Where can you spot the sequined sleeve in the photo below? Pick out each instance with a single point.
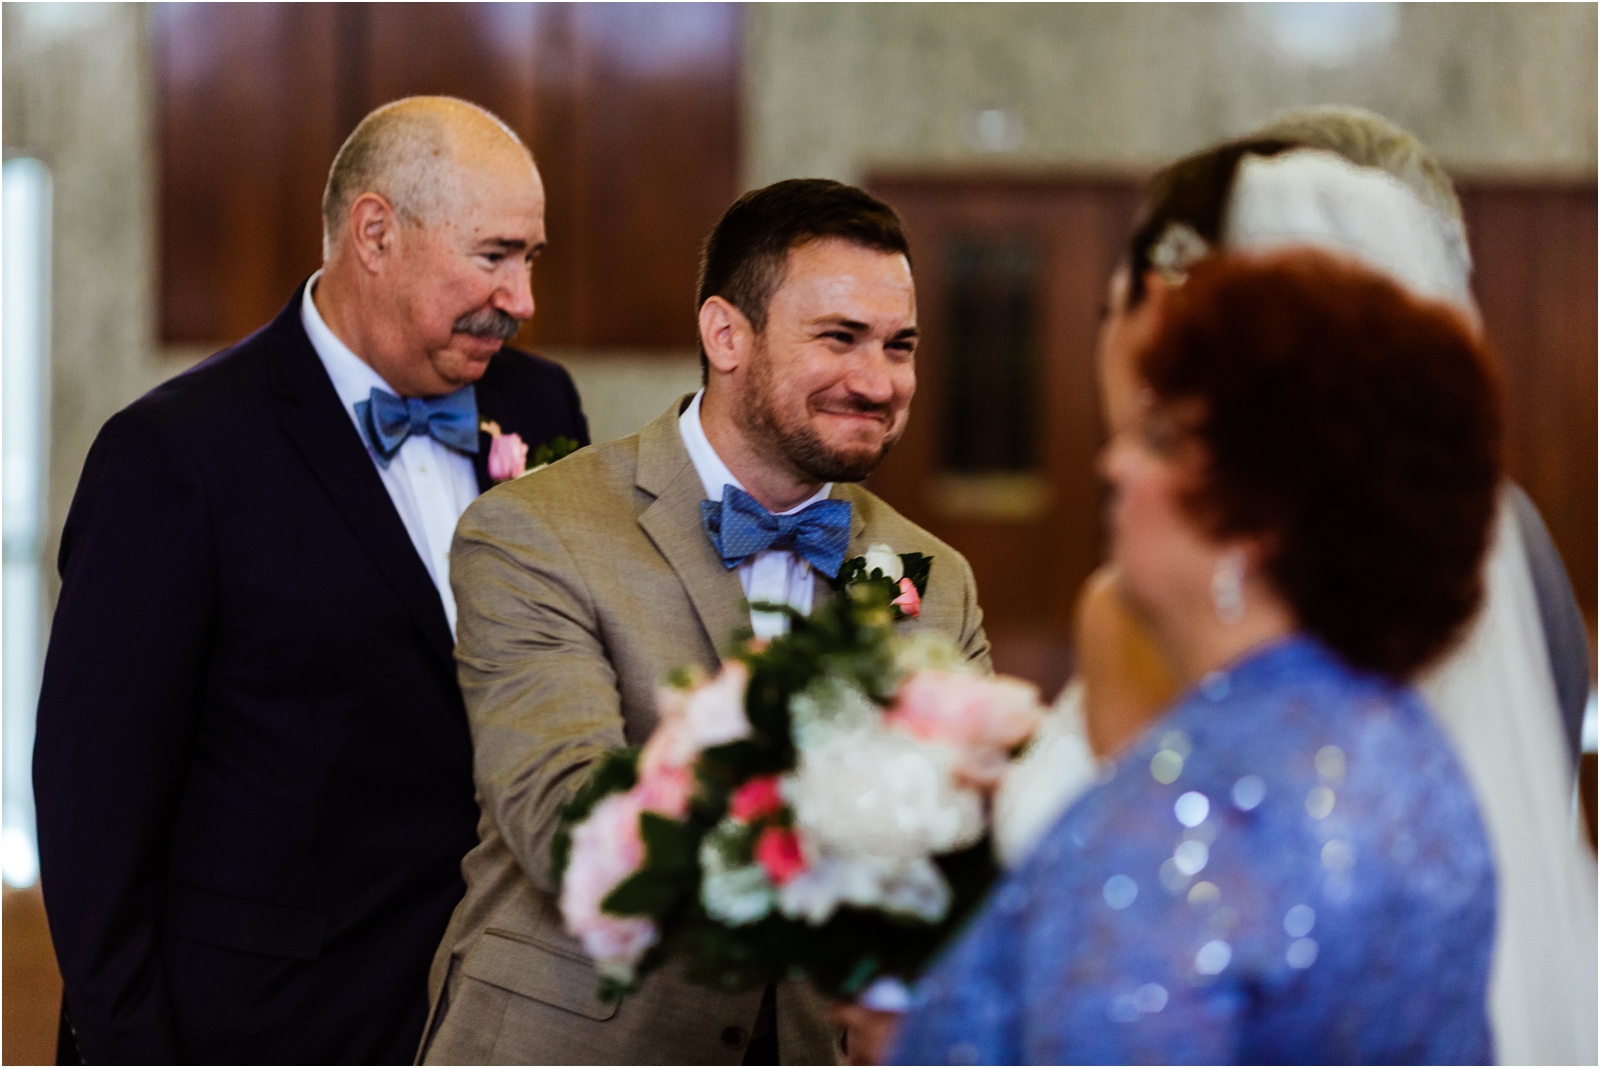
(1288, 868)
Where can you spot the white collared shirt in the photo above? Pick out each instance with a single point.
(777, 576)
(431, 484)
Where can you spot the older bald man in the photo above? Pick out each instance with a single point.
(253, 768)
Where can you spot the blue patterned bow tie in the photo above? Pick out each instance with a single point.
(388, 420)
(739, 527)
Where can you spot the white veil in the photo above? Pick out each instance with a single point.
(1495, 695)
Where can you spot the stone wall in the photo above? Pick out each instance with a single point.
(835, 90)
(77, 96)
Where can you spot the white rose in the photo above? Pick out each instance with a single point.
(714, 711)
(882, 558)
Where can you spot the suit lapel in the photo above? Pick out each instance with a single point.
(480, 461)
(327, 441)
(672, 522)
(823, 591)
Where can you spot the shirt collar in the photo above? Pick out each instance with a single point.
(714, 474)
(353, 378)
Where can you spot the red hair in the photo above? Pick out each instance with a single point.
(1355, 426)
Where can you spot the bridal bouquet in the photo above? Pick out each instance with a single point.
(816, 808)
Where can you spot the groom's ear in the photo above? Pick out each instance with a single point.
(725, 334)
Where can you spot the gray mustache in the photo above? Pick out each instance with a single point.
(489, 322)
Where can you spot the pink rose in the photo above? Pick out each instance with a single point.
(714, 711)
(755, 799)
(508, 457)
(984, 718)
(606, 849)
(670, 745)
(666, 791)
(909, 601)
(778, 853)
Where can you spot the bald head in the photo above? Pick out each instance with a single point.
(419, 154)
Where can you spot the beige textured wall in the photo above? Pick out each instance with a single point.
(77, 95)
(835, 89)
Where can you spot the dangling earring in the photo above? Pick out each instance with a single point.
(1227, 587)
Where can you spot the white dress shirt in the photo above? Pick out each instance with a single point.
(777, 576)
(431, 484)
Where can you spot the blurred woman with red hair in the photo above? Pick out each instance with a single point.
(1289, 865)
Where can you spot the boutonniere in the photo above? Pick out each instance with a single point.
(508, 453)
(904, 575)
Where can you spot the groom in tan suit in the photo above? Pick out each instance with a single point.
(580, 586)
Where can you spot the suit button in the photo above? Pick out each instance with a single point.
(733, 1036)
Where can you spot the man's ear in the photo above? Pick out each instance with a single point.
(372, 230)
(726, 335)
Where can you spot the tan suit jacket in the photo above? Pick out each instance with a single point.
(578, 588)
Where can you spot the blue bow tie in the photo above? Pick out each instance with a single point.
(739, 527)
(388, 420)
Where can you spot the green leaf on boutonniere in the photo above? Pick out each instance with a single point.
(917, 567)
(552, 450)
(914, 566)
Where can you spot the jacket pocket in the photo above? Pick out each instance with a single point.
(250, 926)
(533, 968)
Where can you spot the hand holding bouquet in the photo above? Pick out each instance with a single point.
(817, 808)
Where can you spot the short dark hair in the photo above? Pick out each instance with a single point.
(1355, 425)
(744, 257)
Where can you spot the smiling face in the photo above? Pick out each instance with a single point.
(830, 381)
(461, 282)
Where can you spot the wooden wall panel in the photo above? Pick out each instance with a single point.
(631, 111)
(246, 132)
(1535, 249)
(1535, 252)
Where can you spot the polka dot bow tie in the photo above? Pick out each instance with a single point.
(740, 527)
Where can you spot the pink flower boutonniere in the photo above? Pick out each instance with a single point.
(508, 453)
(902, 576)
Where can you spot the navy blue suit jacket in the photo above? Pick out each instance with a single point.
(252, 767)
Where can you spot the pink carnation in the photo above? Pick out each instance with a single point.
(508, 457)
(985, 718)
(778, 853)
(755, 799)
(606, 849)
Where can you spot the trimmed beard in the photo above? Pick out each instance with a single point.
(800, 445)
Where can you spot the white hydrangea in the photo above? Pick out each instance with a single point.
(870, 791)
(829, 703)
(914, 888)
(928, 650)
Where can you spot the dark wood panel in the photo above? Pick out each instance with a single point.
(1535, 250)
(247, 131)
(631, 111)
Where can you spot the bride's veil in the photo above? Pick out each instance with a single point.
(1495, 694)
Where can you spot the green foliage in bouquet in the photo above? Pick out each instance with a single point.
(848, 639)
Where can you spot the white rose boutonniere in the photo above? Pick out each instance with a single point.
(903, 575)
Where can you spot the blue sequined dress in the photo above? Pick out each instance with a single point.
(1287, 868)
